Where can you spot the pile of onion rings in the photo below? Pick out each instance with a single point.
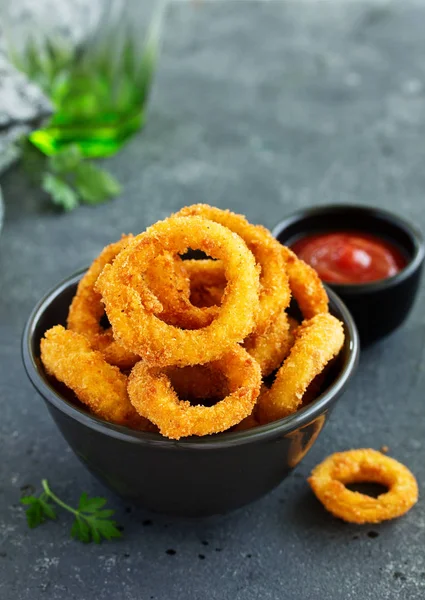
(195, 347)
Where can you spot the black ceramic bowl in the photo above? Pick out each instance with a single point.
(381, 306)
(193, 476)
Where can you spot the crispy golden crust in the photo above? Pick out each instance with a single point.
(184, 318)
(305, 284)
(274, 293)
(205, 272)
(204, 296)
(86, 310)
(167, 278)
(153, 396)
(125, 294)
(329, 478)
(102, 387)
(317, 341)
(207, 282)
(271, 347)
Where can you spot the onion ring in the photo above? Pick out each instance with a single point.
(317, 341)
(275, 292)
(306, 286)
(102, 387)
(168, 280)
(328, 481)
(86, 310)
(272, 347)
(153, 397)
(207, 281)
(126, 295)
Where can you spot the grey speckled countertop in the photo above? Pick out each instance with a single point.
(262, 108)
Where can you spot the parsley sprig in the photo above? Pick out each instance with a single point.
(68, 177)
(92, 522)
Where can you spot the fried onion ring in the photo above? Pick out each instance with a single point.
(207, 281)
(306, 286)
(168, 280)
(272, 347)
(274, 292)
(329, 478)
(102, 387)
(317, 341)
(126, 296)
(153, 396)
(86, 310)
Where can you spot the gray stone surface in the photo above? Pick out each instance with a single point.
(262, 108)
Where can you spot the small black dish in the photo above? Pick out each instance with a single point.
(381, 306)
(196, 476)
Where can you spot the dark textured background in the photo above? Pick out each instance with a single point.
(261, 108)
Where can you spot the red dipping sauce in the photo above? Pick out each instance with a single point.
(350, 256)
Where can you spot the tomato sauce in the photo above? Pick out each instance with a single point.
(350, 257)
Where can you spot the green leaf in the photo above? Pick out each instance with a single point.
(97, 538)
(29, 500)
(66, 160)
(81, 530)
(39, 510)
(95, 185)
(48, 511)
(60, 192)
(90, 505)
(35, 515)
(75, 529)
(91, 523)
(105, 527)
(83, 499)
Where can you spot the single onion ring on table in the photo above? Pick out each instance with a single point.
(306, 286)
(127, 298)
(328, 481)
(274, 292)
(153, 396)
(86, 310)
(102, 387)
(317, 341)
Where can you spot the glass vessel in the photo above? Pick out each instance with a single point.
(93, 59)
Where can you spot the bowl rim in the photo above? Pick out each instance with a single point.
(221, 440)
(402, 224)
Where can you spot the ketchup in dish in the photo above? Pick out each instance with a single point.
(350, 257)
